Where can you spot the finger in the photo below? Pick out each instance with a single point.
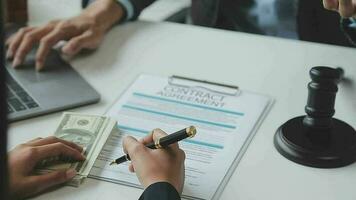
(36, 139)
(346, 8)
(15, 41)
(157, 134)
(46, 43)
(29, 40)
(331, 4)
(51, 140)
(147, 139)
(37, 184)
(9, 40)
(56, 149)
(133, 147)
(131, 168)
(62, 31)
(154, 135)
(75, 45)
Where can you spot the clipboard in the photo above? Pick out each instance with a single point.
(224, 89)
(144, 106)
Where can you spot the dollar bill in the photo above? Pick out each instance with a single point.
(87, 131)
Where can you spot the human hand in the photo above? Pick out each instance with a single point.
(85, 31)
(346, 8)
(24, 158)
(156, 165)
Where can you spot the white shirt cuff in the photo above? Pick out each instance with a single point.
(128, 7)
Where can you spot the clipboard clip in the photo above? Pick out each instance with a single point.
(220, 88)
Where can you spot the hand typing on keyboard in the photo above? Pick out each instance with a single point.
(85, 31)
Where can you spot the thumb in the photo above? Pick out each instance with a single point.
(133, 147)
(86, 40)
(40, 183)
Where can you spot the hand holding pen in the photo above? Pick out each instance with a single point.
(163, 142)
(156, 165)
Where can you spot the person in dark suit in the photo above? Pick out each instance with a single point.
(160, 171)
(317, 24)
(347, 10)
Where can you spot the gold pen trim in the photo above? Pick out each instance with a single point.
(158, 145)
(191, 131)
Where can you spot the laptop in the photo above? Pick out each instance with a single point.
(57, 87)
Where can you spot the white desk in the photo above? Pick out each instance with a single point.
(276, 67)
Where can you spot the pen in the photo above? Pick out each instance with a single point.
(163, 142)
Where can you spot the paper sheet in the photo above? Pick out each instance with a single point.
(224, 124)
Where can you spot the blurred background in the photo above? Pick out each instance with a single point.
(293, 19)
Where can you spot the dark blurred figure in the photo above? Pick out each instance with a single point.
(306, 20)
(316, 24)
(266, 17)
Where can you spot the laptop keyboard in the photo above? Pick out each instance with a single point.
(17, 98)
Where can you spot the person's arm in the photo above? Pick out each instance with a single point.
(85, 31)
(347, 11)
(160, 171)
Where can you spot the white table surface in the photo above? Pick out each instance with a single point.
(276, 67)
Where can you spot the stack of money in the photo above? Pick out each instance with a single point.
(87, 131)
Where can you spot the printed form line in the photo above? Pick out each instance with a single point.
(145, 132)
(177, 116)
(187, 104)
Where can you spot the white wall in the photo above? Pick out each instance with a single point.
(42, 11)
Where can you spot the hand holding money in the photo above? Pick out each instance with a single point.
(23, 159)
(88, 131)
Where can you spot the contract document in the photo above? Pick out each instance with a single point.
(226, 119)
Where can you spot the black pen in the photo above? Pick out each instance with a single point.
(163, 142)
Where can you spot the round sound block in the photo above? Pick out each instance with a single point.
(331, 148)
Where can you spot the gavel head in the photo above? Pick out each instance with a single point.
(326, 74)
(321, 97)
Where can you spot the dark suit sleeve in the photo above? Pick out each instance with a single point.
(139, 5)
(160, 191)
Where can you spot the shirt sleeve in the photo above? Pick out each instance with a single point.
(160, 191)
(128, 7)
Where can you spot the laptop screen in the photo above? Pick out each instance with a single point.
(3, 111)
